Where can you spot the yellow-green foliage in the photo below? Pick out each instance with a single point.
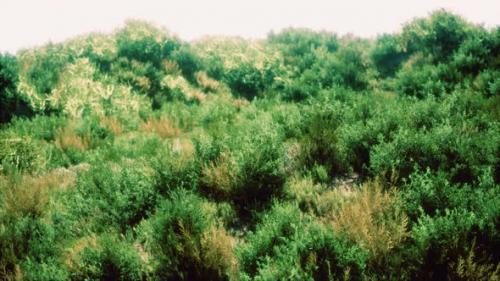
(206, 83)
(99, 44)
(20, 152)
(180, 84)
(234, 51)
(78, 92)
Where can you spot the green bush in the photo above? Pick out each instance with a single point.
(113, 259)
(319, 138)
(143, 42)
(288, 245)
(178, 230)
(11, 102)
(22, 154)
(388, 55)
(123, 194)
(348, 67)
(441, 240)
(440, 34)
(245, 81)
(45, 68)
(298, 45)
(187, 61)
(44, 271)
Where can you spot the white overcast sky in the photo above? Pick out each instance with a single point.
(26, 23)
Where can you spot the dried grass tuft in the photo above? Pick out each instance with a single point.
(163, 127)
(372, 218)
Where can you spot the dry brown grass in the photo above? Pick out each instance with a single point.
(112, 124)
(372, 218)
(67, 138)
(143, 83)
(171, 67)
(163, 127)
(28, 195)
(240, 103)
(220, 177)
(218, 252)
(206, 83)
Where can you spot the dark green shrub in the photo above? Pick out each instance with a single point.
(436, 149)
(44, 271)
(319, 139)
(346, 68)
(388, 55)
(187, 61)
(40, 127)
(124, 194)
(11, 102)
(143, 42)
(298, 45)
(441, 240)
(259, 154)
(245, 81)
(439, 35)
(245, 163)
(176, 169)
(475, 52)
(488, 83)
(179, 232)
(306, 86)
(25, 238)
(113, 259)
(420, 81)
(44, 71)
(288, 245)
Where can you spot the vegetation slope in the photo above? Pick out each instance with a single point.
(304, 156)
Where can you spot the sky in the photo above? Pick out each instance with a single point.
(26, 23)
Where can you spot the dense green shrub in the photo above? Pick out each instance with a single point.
(44, 271)
(123, 194)
(288, 245)
(298, 45)
(388, 55)
(187, 61)
(319, 138)
(11, 102)
(245, 80)
(439, 35)
(143, 42)
(347, 67)
(442, 239)
(45, 68)
(176, 169)
(178, 232)
(20, 153)
(112, 259)
(306, 86)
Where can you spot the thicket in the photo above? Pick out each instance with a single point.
(305, 156)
